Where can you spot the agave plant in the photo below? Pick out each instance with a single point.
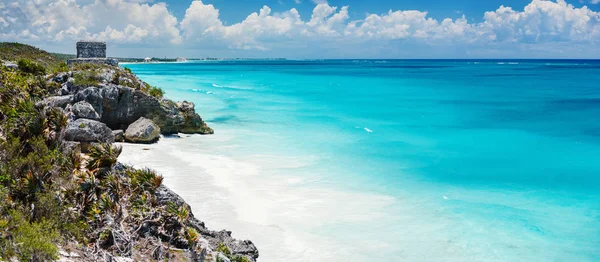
(191, 235)
(145, 180)
(57, 119)
(114, 185)
(107, 204)
(103, 156)
(89, 189)
(180, 212)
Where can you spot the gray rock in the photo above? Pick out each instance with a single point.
(55, 101)
(222, 258)
(83, 109)
(142, 131)
(70, 148)
(119, 135)
(86, 130)
(122, 259)
(124, 105)
(237, 247)
(61, 77)
(93, 96)
(193, 123)
(10, 65)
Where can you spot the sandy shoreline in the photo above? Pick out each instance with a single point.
(283, 216)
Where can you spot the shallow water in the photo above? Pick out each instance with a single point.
(345, 160)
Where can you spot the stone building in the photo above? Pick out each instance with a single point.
(92, 53)
(87, 49)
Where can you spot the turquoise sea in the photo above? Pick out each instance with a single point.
(391, 160)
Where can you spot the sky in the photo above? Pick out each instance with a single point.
(309, 29)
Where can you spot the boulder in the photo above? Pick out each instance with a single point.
(193, 123)
(10, 65)
(93, 96)
(142, 131)
(119, 135)
(83, 109)
(86, 130)
(55, 101)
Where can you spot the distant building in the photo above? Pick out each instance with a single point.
(87, 49)
(93, 53)
(181, 59)
(147, 60)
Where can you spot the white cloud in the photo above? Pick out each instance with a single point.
(542, 21)
(111, 20)
(542, 25)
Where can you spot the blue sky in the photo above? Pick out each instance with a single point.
(311, 28)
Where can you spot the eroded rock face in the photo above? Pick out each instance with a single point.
(93, 96)
(55, 101)
(193, 123)
(142, 131)
(124, 105)
(86, 130)
(83, 109)
(119, 106)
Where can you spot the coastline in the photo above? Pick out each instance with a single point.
(279, 214)
(292, 166)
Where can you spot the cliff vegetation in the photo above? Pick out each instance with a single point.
(64, 195)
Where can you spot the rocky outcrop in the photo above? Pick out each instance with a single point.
(93, 96)
(142, 131)
(193, 123)
(119, 100)
(214, 238)
(86, 130)
(83, 109)
(124, 105)
(55, 101)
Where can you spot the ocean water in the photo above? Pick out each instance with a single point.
(390, 160)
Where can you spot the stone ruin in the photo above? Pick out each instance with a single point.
(93, 53)
(91, 50)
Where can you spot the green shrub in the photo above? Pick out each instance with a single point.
(153, 91)
(156, 92)
(86, 78)
(221, 247)
(30, 241)
(62, 67)
(30, 67)
(88, 66)
(127, 70)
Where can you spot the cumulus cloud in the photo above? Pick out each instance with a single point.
(110, 20)
(541, 24)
